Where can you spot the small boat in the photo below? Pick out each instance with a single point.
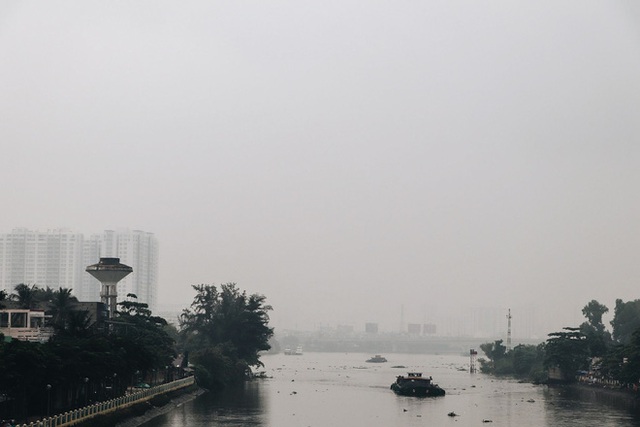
(377, 359)
(297, 352)
(414, 384)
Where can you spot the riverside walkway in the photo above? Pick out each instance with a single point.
(81, 415)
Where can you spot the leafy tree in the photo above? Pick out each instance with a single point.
(528, 361)
(630, 369)
(496, 353)
(225, 330)
(495, 350)
(626, 320)
(593, 311)
(568, 351)
(598, 343)
(24, 373)
(131, 307)
(598, 339)
(622, 361)
(611, 362)
(3, 297)
(142, 338)
(523, 361)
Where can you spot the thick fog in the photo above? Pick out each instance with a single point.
(354, 161)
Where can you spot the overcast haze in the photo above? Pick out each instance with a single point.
(343, 158)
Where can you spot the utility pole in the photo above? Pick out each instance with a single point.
(509, 330)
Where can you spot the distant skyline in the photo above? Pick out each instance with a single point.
(58, 258)
(343, 158)
(470, 321)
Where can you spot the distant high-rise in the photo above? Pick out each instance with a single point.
(371, 328)
(47, 258)
(414, 328)
(58, 258)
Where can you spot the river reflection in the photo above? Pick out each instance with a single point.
(600, 407)
(335, 389)
(240, 406)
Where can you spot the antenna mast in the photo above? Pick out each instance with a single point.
(509, 330)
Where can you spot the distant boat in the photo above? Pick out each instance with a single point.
(414, 384)
(377, 359)
(297, 352)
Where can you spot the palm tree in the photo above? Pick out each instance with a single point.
(61, 307)
(25, 295)
(78, 323)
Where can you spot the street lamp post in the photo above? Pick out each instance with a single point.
(48, 399)
(86, 390)
(115, 384)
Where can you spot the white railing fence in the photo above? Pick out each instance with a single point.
(100, 408)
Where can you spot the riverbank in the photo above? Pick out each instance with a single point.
(623, 395)
(160, 406)
(137, 414)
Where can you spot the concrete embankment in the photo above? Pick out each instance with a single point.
(108, 413)
(607, 393)
(157, 407)
(622, 399)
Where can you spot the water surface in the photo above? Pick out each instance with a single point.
(338, 389)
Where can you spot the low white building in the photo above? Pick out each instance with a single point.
(24, 324)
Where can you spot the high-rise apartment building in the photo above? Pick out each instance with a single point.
(58, 258)
(48, 259)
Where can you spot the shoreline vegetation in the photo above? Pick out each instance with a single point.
(220, 339)
(85, 361)
(587, 356)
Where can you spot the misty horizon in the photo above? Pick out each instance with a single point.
(353, 162)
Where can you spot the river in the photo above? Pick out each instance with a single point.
(338, 389)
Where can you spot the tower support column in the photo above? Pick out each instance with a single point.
(109, 272)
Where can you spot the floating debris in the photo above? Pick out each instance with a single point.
(452, 414)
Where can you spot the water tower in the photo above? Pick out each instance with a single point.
(109, 272)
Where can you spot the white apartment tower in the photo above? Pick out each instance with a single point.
(58, 258)
(48, 258)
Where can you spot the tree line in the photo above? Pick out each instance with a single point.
(588, 349)
(219, 338)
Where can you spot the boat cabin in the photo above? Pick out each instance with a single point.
(413, 377)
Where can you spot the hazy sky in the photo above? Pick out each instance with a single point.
(343, 158)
